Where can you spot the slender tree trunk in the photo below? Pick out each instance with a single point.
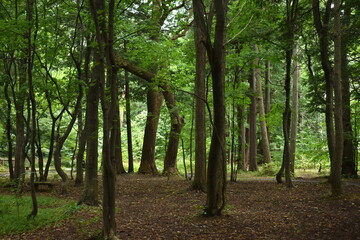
(216, 178)
(79, 179)
(295, 111)
(335, 176)
(252, 124)
(8, 131)
(323, 33)
(349, 163)
(199, 182)
(267, 88)
(128, 124)
(242, 163)
(32, 120)
(262, 117)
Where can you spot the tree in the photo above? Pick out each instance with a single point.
(90, 191)
(216, 177)
(104, 26)
(335, 176)
(295, 110)
(262, 117)
(253, 166)
(199, 182)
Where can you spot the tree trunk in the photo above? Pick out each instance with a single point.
(90, 192)
(154, 102)
(128, 125)
(79, 179)
(32, 120)
(262, 117)
(8, 131)
(267, 88)
(200, 128)
(177, 123)
(216, 178)
(335, 176)
(295, 111)
(252, 124)
(323, 33)
(61, 140)
(242, 163)
(348, 163)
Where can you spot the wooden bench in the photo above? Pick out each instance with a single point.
(49, 186)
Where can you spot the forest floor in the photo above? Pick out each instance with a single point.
(160, 208)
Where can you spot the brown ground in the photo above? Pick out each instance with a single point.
(158, 208)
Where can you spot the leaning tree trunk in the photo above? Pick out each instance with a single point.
(60, 143)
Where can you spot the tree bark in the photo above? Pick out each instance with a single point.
(199, 182)
(216, 177)
(262, 117)
(8, 131)
(128, 125)
(253, 166)
(335, 176)
(90, 192)
(322, 29)
(349, 162)
(177, 123)
(295, 111)
(154, 102)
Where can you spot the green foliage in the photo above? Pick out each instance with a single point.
(14, 211)
(268, 169)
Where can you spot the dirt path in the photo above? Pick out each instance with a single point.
(158, 208)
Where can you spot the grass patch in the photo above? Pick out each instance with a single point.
(14, 211)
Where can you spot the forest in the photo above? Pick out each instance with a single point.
(111, 110)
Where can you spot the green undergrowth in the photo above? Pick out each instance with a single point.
(14, 211)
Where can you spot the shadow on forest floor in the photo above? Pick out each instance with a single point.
(160, 208)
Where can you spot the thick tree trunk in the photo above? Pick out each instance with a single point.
(264, 134)
(90, 192)
(154, 102)
(177, 123)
